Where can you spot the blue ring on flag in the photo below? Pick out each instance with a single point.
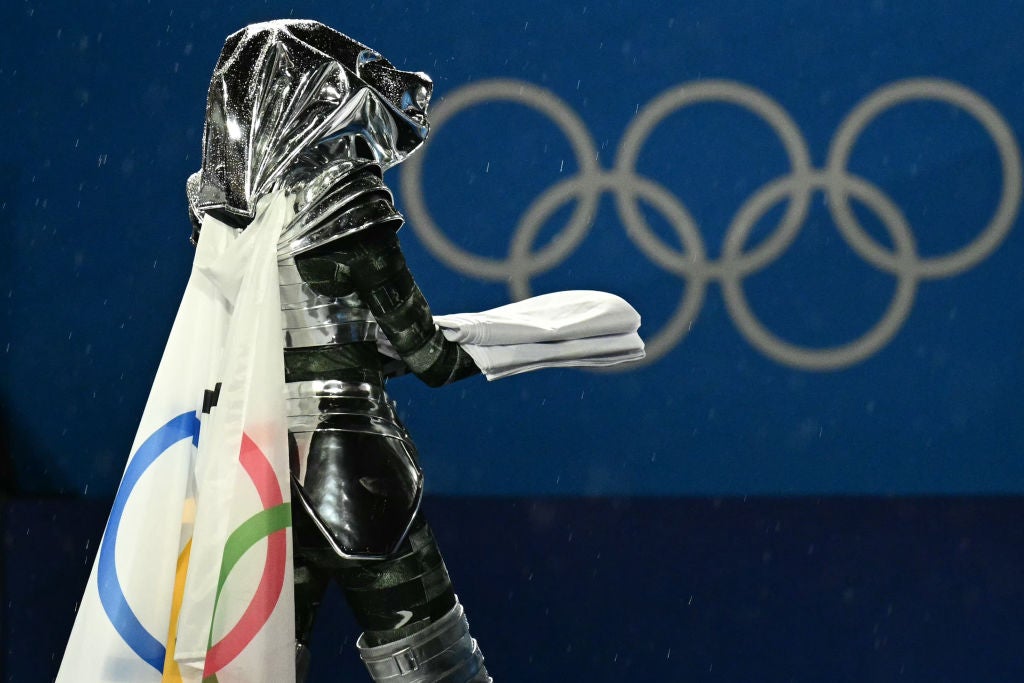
(127, 625)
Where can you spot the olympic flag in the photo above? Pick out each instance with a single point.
(192, 581)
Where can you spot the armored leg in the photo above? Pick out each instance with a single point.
(443, 652)
(310, 584)
(415, 630)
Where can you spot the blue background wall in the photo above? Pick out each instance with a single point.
(601, 483)
(613, 590)
(104, 108)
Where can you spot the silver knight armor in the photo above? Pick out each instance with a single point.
(298, 108)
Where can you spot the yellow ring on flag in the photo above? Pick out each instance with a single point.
(171, 672)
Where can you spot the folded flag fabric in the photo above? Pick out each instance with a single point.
(575, 328)
(501, 361)
(193, 578)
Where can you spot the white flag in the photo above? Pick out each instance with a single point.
(193, 578)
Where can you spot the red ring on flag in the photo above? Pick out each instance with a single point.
(258, 612)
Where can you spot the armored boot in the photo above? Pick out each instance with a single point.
(444, 652)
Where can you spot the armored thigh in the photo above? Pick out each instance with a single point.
(354, 466)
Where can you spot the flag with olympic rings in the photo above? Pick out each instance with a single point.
(193, 578)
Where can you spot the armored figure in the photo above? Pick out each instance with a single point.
(298, 108)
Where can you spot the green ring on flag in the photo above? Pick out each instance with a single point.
(270, 523)
(251, 532)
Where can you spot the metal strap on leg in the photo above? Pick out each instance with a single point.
(444, 652)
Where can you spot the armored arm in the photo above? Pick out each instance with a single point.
(386, 286)
(370, 262)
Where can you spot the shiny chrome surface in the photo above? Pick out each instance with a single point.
(333, 388)
(295, 105)
(354, 465)
(332, 197)
(338, 405)
(309, 319)
(328, 335)
(445, 650)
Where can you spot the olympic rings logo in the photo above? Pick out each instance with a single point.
(270, 523)
(736, 262)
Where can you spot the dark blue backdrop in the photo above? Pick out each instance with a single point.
(104, 107)
(608, 591)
